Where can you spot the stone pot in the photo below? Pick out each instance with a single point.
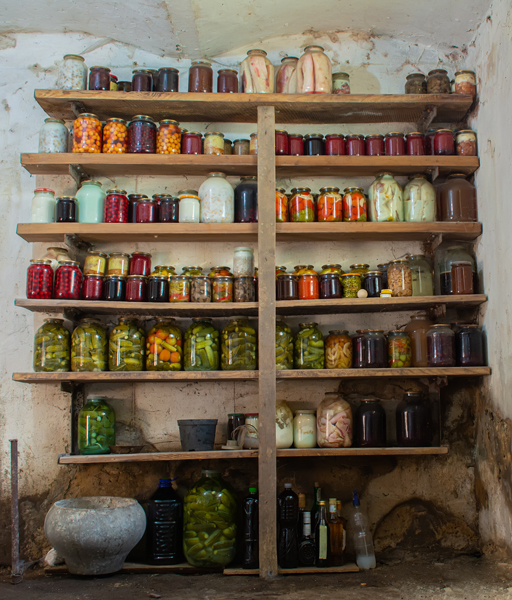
(95, 534)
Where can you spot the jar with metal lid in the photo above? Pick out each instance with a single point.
(386, 200)
(168, 80)
(399, 349)
(400, 277)
(465, 83)
(191, 142)
(115, 137)
(375, 349)
(228, 147)
(217, 199)
(200, 76)
(218, 271)
(53, 137)
(91, 202)
(213, 143)
(384, 268)
(168, 138)
(338, 350)
(140, 264)
(191, 271)
(43, 206)
(239, 346)
(420, 204)
(465, 140)
(438, 82)
(158, 288)
(95, 263)
(201, 351)
(287, 287)
(330, 285)
(358, 349)
(422, 277)
(179, 289)
(462, 278)
(114, 288)
(222, 289)
(415, 144)
(142, 80)
(281, 206)
(246, 200)
(118, 264)
(334, 144)
(469, 346)
(309, 347)
(354, 205)
(243, 262)
(329, 205)
(52, 347)
(39, 280)
(351, 284)
(417, 329)
(142, 135)
(370, 424)
(116, 207)
(257, 73)
(127, 346)
(286, 77)
(314, 72)
(190, 209)
(308, 287)
(65, 210)
(96, 427)
(340, 83)
(279, 270)
(133, 200)
(68, 280)
(124, 86)
(241, 147)
(334, 422)
(302, 206)
(168, 210)
(355, 145)
(415, 83)
(314, 144)
(458, 199)
(284, 346)
(360, 268)
(227, 81)
(147, 211)
(394, 143)
(200, 288)
(164, 347)
(440, 346)
(92, 287)
(243, 289)
(136, 288)
(374, 145)
(444, 144)
(87, 133)
(304, 270)
(165, 270)
(304, 429)
(282, 145)
(72, 73)
(99, 78)
(413, 421)
(284, 425)
(444, 259)
(331, 268)
(296, 141)
(372, 283)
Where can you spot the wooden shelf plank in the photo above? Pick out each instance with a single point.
(340, 452)
(135, 376)
(346, 568)
(242, 108)
(69, 459)
(372, 373)
(128, 567)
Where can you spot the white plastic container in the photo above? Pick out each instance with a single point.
(43, 206)
(217, 199)
(251, 438)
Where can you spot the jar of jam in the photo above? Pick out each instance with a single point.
(375, 349)
(415, 83)
(359, 268)
(372, 283)
(142, 135)
(222, 289)
(87, 133)
(340, 83)
(314, 144)
(355, 145)
(168, 80)
(116, 207)
(99, 78)
(281, 142)
(302, 206)
(142, 80)
(287, 287)
(458, 199)
(115, 137)
(114, 288)
(334, 144)
(214, 143)
(358, 349)
(469, 346)
(375, 145)
(354, 204)
(466, 142)
(330, 286)
(308, 287)
(168, 138)
(413, 421)
(95, 263)
(227, 81)
(351, 283)
(147, 211)
(395, 144)
(228, 147)
(179, 289)
(465, 83)
(92, 287)
(246, 200)
(200, 76)
(370, 425)
(438, 82)
(65, 211)
(462, 278)
(399, 349)
(281, 206)
(191, 142)
(124, 86)
(136, 288)
(158, 288)
(40, 280)
(429, 141)
(140, 264)
(241, 147)
(415, 143)
(440, 346)
(296, 142)
(444, 144)
(133, 200)
(68, 280)
(118, 264)
(168, 211)
(329, 205)
(200, 288)
(190, 209)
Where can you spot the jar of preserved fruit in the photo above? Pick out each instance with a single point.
(200, 76)
(246, 200)
(400, 277)
(140, 264)
(395, 144)
(386, 201)
(308, 287)
(419, 200)
(296, 141)
(99, 78)
(469, 346)
(114, 288)
(282, 145)
(43, 206)
(351, 284)
(53, 137)
(136, 288)
(243, 289)
(87, 133)
(413, 421)
(191, 142)
(257, 73)
(329, 206)
(358, 349)
(164, 347)
(340, 83)
(222, 289)
(374, 145)
(444, 259)
(375, 349)
(438, 82)
(279, 270)
(115, 137)
(168, 210)
(462, 278)
(458, 199)
(227, 81)
(40, 280)
(210, 515)
(415, 83)
(309, 347)
(465, 83)
(168, 139)
(243, 262)
(253, 144)
(302, 206)
(286, 78)
(147, 211)
(241, 147)
(95, 263)
(96, 426)
(118, 264)
(440, 346)
(422, 277)
(355, 145)
(444, 144)
(91, 202)
(201, 346)
(304, 429)
(338, 350)
(68, 280)
(281, 206)
(330, 285)
(370, 424)
(200, 288)
(179, 288)
(399, 349)
(465, 140)
(142, 135)
(72, 73)
(415, 144)
(213, 143)
(314, 144)
(354, 204)
(334, 144)
(217, 199)
(360, 268)
(239, 346)
(142, 80)
(65, 209)
(168, 80)
(287, 287)
(127, 346)
(190, 209)
(89, 347)
(284, 346)
(417, 329)
(52, 347)
(372, 283)
(116, 207)
(314, 72)
(334, 422)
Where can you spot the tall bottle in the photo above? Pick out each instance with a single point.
(322, 538)
(316, 506)
(165, 526)
(302, 510)
(337, 531)
(307, 545)
(361, 536)
(288, 511)
(249, 545)
(343, 521)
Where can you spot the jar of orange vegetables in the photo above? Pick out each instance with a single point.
(309, 288)
(164, 347)
(281, 206)
(354, 204)
(329, 206)
(302, 205)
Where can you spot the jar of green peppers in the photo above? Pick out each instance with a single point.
(239, 346)
(126, 346)
(164, 347)
(89, 347)
(52, 347)
(96, 427)
(309, 347)
(351, 283)
(284, 346)
(201, 346)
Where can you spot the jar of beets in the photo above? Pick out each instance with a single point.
(142, 135)
(40, 279)
(116, 206)
(68, 280)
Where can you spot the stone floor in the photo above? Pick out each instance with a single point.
(463, 578)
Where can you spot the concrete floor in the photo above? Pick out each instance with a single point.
(463, 578)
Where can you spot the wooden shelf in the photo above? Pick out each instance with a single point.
(69, 459)
(242, 108)
(340, 452)
(129, 567)
(372, 373)
(346, 568)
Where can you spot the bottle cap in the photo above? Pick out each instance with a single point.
(355, 500)
(164, 482)
(332, 501)
(288, 486)
(253, 490)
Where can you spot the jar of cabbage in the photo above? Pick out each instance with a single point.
(314, 72)
(164, 347)
(239, 346)
(309, 347)
(89, 347)
(419, 200)
(284, 425)
(284, 346)
(51, 347)
(386, 202)
(201, 346)
(96, 427)
(127, 346)
(209, 522)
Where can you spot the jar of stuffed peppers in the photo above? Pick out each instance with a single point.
(338, 350)
(309, 347)
(115, 137)
(164, 347)
(40, 279)
(281, 206)
(89, 347)
(440, 346)
(201, 346)
(375, 349)
(302, 206)
(239, 346)
(127, 346)
(354, 204)
(179, 288)
(284, 346)
(87, 133)
(373, 284)
(287, 287)
(329, 206)
(52, 352)
(68, 280)
(96, 426)
(116, 207)
(400, 277)
(142, 135)
(222, 289)
(399, 349)
(309, 288)
(330, 286)
(351, 283)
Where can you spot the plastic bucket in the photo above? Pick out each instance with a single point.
(197, 434)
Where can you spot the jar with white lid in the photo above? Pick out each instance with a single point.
(284, 425)
(190, 209)
(56, 255)
(53, 137)
(72, 73)
(91, 202)
(43, 206)
(304, 429)
(251, 437)
(217, 199)
(243, 262)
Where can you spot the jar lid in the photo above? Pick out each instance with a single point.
(106, 68)
(44, 190)
(453, 175)
(116, 191)
(254, 135)
(123, 254)
(313, 136)
(414, 133)
(308, 325)
(252, 415)
(159, 277)
(40, 261)
(296, 135)
(354, 189)
(415, 75)
(183, 196)
(328, 275)
(248, 177)
(324, 190)
(233, 414)
(217, 174)
(397, 331)
(334, 135)
(74, 57)
(228, 71)
(96, 253)
(394, 134)
(374, 330)
(465, 131)
(66, 198)
(375, 136)
(340, 75)
(144, 118)
(289, 275)
(299, 190)
(140, 276)
(313, 47)
(52, 120)
(398, 261)
(289, 58)
(52, 320)
(217, 133)
(372, 273)
(169, 122)
(462, 262)
(224, 278)
(466, 325)
(386, 292)
(71, 263)
(120, 277)
(227, 141)
(303, 267)
(91, 182)
(359, 266)
(441, 325)
(240, 141)
(448, 130)
(338, 332)
(331, 265)
(94, 276)
(305, 411)
(172, 69)
(185, 132)
(350, 275)
(242, 249)
(256, 50)
(141, 254)
(203, 61)
(354, 136)
(442, 71)
(464, 72)
(383, 265)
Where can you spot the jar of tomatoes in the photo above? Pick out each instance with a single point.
(222, 289)
(40, 279)
(354, 204)
(329, 207)
(164, 347)
(116, 207)
(302, 205)
(281, 206)
(415, 144)
(87, 133)
(68, 280)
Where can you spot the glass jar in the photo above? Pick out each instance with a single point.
(164, 347)
(354, 204)
(314, 144)
(124, 86)
(43, 206)
(330, 285)
(147, 211)
(465, 140)
(142, 80)
(465, 83)
(114, 288)
(118, 264)
(308, 287)
(334, 144)
(281, 144)
(351, 284)
(413, 421)
(228, 147)
(133, 200)
(227, 81)
(72, 74)
(415, 83)
(373, 284)
(417, 329)
(340, 83)
(99, 78)
(281, 206)
(168, 80)
(158, 288)
(191, 142)
(219, 271)
(252, 424)
(87, 133)
(243, 262)
(438, 82)
(213, 143)
(355, 145)
(217, 199)
(329, 206)
(257, 73)
(91, 202)
(96, 426)
(444, 144)
(469, 346)
(89, 347)
(462, 278)
(302, 206)
(400, 278)
(284, 346)
(331, 268)
(191, 271)
(383, 267)
(95, 263)
(201, 346)
(360, 268)
(386, 201)
(92, 287)
(253, 144)
(68, 280)
(309, 347)
(168, 210)
(116, 207)
(243, 289)
(458, 199)
(358, 349)
(65, 209)
(338, 350)
(168, 138)
(115, 137)
(190, 209)
(444, 260)
(422, 277)
(246, 200)
(52, 347)
(429, 142)
(165, 270)
(235, 420)
(200, 76)
(334, 422)
(374, 145)
(296, 141)
(314, 72)
(394, 144)
(287, 287)
(241, 147)
(200, 288)
(140, 264)
(415, 144)
(127, 346)
(375, 349)
(370, 424)
(39, 280)
(222, 289)
(136, 288)
(53, 137)
(419, 200)
(56, 255)
(142, 135)
(179, 289)
(399, 350)
(304, 429)
(239, 346)
(440, 346)
(210, 514)
(286, 78)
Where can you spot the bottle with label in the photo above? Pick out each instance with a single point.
(302, 510)
(288, 512)
(337, 533)
(307, 545)
(165, 526)
(249, 545)
(361, 536)
(322, 538)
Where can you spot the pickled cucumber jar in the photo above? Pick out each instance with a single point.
(309, 347)
(164, 347)
(89, 347)
(52, 347)
(284, 346)
(96, 426)
(209, 522)
(201, 346)
(127, 346)
(239, 346)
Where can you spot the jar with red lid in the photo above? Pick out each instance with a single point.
(40, 279)
(329, 204)
(142, 80)
(302, 205)
(136, 288)
(354, 204)
(444, 144)
(116, 207)
(281, 206)
(375, 145)
(142, 135)
(395, 144)
(314, 144)
(296, 142)
(92, 287)
(227, 81)
(133, 199)
(147, 211)
(415, 144)
(200, 76)
(355, 145)
(140, 264)
(191, 142)
(330, 286)
(168, 138)
(68, 280)
(281, 143)
(309, 288)
(429, 142)
(169, 210)
(99, 78)
(334, 144)
(287, 287)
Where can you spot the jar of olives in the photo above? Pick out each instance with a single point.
(89, 347)
(239, 346)
(309, 347)
(201, 346)
(164, 347)
(284, 346)
(351, 283)
(51, 347)
(96, 427)
(126, 346)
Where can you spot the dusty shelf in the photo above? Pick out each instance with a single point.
(340, 452)
(372, 373)
(346, 568)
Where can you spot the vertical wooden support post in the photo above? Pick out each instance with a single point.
(267, 338)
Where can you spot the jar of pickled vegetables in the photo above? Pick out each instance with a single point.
(118, 264)
(200, 288)
(284, 346)
(331, 268)
(217, 199)
(222, 289)
(40, 280)
(239, 346)
(360, 268)
(286, 77)
(302, 205)
(421, 273)
(340, 83)
(338, 350)
(415, 84)
(257, 73)
(209, 522)
(190, 271)
(52, 347)
(87, 133)
(309, 347)
(438, 82)
(281, 206)
(115, 137)
(164, 347)
(213, 143)
(219, 271)
(96, 426)
(441, 346)
(314, 72)
(127, 346)
(68, 280)
(386, 201)
(400, 277)
(89, 347)
(179, 288)
(354, 204)
(351, 283)
(329, 207)
(201, 346)
(399, 349)
(334, 422)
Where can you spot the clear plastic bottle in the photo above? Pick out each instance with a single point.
(165, 526)
(361, 536)
(288, 512)
(249, 542)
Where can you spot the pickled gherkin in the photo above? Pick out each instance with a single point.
(164, 347)
(209, 522)
(51, 347)
(201, 346)
(309, 347)
(89, 347)
(96, 427)
(284, 346)
(126, 346)
(239, 346)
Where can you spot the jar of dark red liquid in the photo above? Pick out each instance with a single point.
(429, 142)
(114, 288)
(169, 210)
(147, 211)
(358, 349)
(370, 425)
(116, 207)
(444, 143)
(440, 346)
(334, 144)
(66, 210)
(330, 286)
(227, 81)
(92, 287)
(140, 264)
(296, 142)
(200, 76)
(281, 143)
(99, 78)
(314, 144)
(373, 284)
(133, 200)
(191, 143)
(246, 200)
(68, 280)
(136, 288)
(462, 278)
(142, 135)
(158, 288)
(287, 287)
(375, 349)
(142, 80)
(375, 145)
(458, 199)
(469, 346)
(168, 80)
(415, 144)
(355, 145)
(394, 144)
(40, 279)
(413, 421)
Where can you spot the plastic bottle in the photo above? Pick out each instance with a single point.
(322, 538)
(307, 545)
(361, 536)
(337, 531)
(249, 544)
(165, 526)
(288, 511)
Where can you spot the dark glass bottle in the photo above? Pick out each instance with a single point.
(302, 510)
(322, 538)
(235, 420)
(413, 421)
(317, 496)
(164, 526)
(158, 288)
(469, 346)
(249, 542)
(99, 78)
(246, 201)
(114, 288)
(288, 512)
(370, 425)
(307, 544)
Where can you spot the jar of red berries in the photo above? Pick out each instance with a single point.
(142, 135)
(116, 207)
(68, 280)
(40, 280)
(92, 288)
